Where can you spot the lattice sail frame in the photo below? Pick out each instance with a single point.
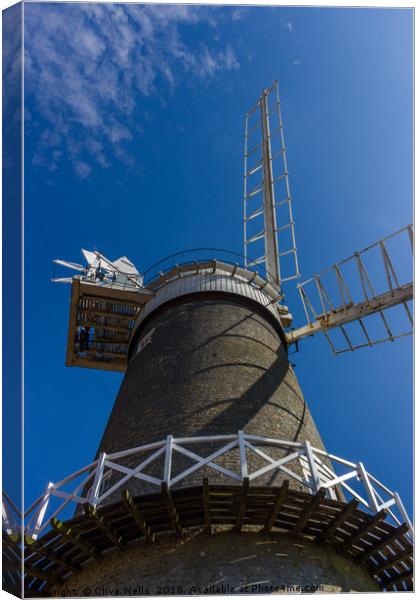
(269, 201)
(330, 298)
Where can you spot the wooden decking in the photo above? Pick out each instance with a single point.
(69, 547)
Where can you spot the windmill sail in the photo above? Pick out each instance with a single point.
(70, 265)
(125, 265)
(357, 297)
(269, 233)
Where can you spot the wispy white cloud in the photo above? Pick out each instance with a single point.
(286, 24)
(239, 13)
(87, 64)
(12, 75)
(82, 169)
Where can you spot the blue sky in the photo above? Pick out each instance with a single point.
(133, 145)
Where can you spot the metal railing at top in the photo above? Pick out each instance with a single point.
(300, 461)
(128, 281)
(201, 255)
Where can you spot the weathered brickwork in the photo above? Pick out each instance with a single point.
(221, 563)
(213, 366)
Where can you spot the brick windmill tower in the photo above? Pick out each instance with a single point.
(211, 475)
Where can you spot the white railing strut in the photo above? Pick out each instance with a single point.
(311, 467)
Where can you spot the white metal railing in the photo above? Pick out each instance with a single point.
(86, 485)
(12, 518)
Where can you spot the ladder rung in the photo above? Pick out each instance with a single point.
(283, 227)
(255, 168)
(253, 149)
(275, 131)
(256, 237)
(254, 128)
(283, 279)
(255, 191)
(256, 213)
(277, 154)
(257, 261)
(281, 202)
(282, 176)
(253, 109)
(286, 252)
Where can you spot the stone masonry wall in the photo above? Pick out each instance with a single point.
(220, 563)
(214, 365)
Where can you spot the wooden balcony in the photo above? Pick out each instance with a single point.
(100, 325)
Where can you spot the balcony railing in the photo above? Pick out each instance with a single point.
(300, 461)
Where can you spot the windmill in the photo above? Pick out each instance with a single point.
(330, 299)
(210, 431)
